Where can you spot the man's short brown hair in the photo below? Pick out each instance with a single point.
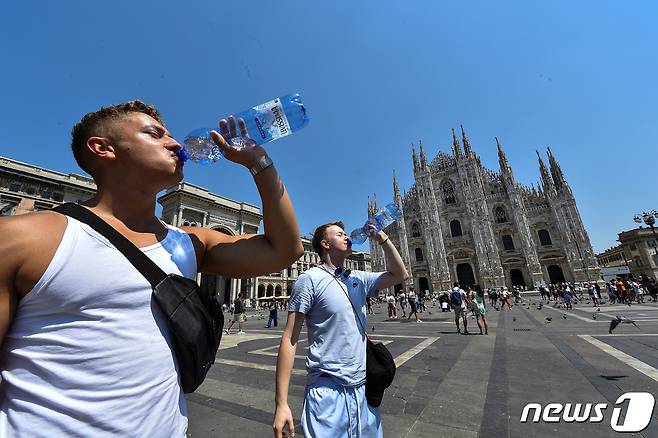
(319, 235)
(96, 124)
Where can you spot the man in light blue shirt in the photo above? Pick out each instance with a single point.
(334, 401)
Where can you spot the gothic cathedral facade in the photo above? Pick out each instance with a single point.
(463, 222)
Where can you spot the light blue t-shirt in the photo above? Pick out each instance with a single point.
(337, 342)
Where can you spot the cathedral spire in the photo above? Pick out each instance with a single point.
(556, 171)
(414, 156)
(502, 158)
(456, 148)
(423, 159)
(467, 145)
(396, 187)
(546, 181)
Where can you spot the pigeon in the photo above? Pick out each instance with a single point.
(593, 315)
(598, 310)
(620, 320)
(514, 318)
(564, 316)
(373, 328)
(548, 319)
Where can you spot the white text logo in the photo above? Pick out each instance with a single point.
(637, 414)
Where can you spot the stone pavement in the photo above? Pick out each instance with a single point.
(453, 385)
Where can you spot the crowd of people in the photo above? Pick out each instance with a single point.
(614, 291)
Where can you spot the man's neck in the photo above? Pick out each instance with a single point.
(130, 207)
(334, 261)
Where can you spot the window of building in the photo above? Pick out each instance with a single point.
(448, 193)
(30, 190)
(14, 187)
(455, 228)
(508, 243)
(45, 194)
(419, 255)
(59, 197)
(415, 230)
(544, 238)
(500, 215)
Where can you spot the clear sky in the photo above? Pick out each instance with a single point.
(580, 77)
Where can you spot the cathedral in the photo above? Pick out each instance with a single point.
(466, 223)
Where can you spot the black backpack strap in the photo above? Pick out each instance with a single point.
(139, 260)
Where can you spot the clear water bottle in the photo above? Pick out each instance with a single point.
(266, 122)
(380, 220)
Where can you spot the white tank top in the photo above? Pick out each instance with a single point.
(87, 352)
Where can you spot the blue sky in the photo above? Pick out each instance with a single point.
(375, 76)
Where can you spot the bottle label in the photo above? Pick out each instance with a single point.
(271, 120)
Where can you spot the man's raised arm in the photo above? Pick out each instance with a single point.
(249, 254)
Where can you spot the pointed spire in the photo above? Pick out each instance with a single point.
(396, 187)
(369, 207)
(414, 156)
(556, 171)
(423, 159)
(546, 181)
(467, 145)
(374, 203)
(456, 148)
(502, 158)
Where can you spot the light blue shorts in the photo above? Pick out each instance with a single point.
(337, 411)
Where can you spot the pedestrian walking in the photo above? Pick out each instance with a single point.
(505, 299)
(273, 317)
(403, 304)
(331, 300)
(459, 304)
(566, 297)
(591, 291)
(392, 311)
(239, 314)
(413, 304)
(480, 310)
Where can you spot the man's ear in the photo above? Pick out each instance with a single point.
(100, 147)
(325, 244)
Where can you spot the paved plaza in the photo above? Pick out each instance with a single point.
(453, 385)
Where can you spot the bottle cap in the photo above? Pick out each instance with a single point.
(182, 154)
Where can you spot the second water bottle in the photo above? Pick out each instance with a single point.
(380, 220)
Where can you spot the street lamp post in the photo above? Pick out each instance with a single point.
(649, 218)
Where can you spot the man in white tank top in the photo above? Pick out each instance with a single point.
(84, 350)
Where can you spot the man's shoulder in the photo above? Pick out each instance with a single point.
(32, 227)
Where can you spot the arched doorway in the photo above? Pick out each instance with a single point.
(516, 276)
(423, 285)
(555, 274)
(261, 291)
(465, 275)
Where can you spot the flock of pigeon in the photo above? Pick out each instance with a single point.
(613, 323)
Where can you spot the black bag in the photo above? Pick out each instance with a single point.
(195, 319)
(380, 366)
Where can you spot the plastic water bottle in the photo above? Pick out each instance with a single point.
(380, 220)
(266, 122)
